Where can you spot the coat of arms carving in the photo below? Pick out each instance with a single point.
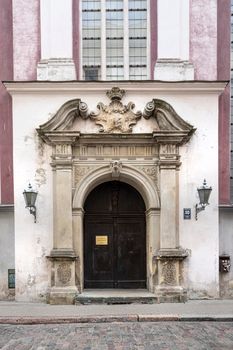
(116, 117)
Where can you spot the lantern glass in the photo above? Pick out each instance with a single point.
(30, 197)
(204, 193)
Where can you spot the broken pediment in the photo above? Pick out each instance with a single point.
(117, 118)
(166, 117)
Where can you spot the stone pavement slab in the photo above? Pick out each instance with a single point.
(195, 310)
(119, 336)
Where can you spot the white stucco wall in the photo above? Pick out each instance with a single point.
(32, 163)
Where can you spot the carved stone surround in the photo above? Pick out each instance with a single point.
(149, 162)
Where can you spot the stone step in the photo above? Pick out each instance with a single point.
(114, 297)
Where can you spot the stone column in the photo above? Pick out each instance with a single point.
(56, 41)
(152, 238)
(173, 27)
(78, 215)
(170, 254)
(63, 286)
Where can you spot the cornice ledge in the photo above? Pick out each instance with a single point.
(59, 137)
(172, 253)
(186, 87)
(6, 207)
(62, 254)
(173, 137)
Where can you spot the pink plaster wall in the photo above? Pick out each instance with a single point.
(153, 40)
(6, 73)
(26, 33)
(76, 36)
(223, 73)
(203, 38)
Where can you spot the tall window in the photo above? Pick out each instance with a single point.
(114, 40)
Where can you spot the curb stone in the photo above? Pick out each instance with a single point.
(111, 319)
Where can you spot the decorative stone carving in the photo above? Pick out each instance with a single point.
(151, 171)
(80, 172)
(64, 273)
(168, 149)
(64, 118)
(115, 167)
(169, 273)
(165, 115)
(171, 128)
(116, 118)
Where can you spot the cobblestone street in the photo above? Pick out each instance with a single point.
(119, 336)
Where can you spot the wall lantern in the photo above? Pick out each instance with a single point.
(30, 200)
(204, 195)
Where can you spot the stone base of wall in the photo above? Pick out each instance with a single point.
(173, 70)
(56, 69)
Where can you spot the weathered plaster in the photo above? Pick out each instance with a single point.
(76, 34)
(26, 32)
(6, 73)
(203, 38)
(223, 60)
(153, 35)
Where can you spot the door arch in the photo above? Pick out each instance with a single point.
(114, 237)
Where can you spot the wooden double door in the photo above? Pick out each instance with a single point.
(114, 238)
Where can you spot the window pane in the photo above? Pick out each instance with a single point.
(90, 5)
(138, 39)
(114, 39)
(114, 4)
(91, 34)
(137, 4)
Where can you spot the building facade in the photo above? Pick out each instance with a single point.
(115, 111)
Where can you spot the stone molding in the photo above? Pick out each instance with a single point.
(56, 69)
(173, 70)
(6, 207)
(116, 118)
(130, 174)
(174, 254)
(77, 87)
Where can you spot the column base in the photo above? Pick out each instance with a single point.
(63, 287)
(173, 70)
(62, 295)
(170, 271)
(170, 294)
(55, 69)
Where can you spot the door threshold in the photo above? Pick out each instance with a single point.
(116, 296)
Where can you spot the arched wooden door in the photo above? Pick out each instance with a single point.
(114, 237)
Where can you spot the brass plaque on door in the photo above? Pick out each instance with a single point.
(101, 240)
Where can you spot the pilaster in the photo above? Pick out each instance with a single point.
(56, 41)
(170, 255)
(62, 256)
(173, 27)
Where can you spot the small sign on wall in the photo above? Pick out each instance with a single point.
(187, 213)
(101, 240)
